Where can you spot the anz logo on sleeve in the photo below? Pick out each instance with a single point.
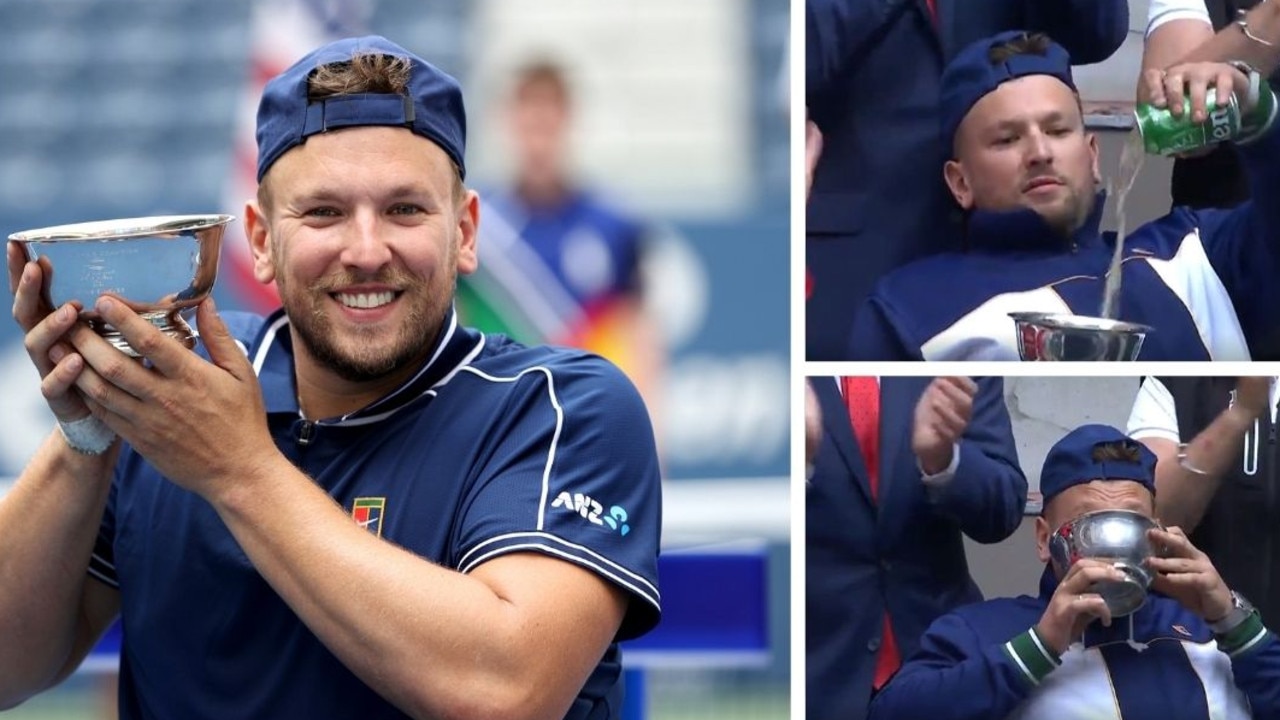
(593, 511)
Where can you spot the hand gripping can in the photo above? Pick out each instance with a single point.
(1163, 134)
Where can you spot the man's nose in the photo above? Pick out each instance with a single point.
(1039, 151)
(365, 246)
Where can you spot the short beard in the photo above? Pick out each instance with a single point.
(1074, 216)
(414, 342)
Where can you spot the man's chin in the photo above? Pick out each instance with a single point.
(365, 364)
(1062, 219)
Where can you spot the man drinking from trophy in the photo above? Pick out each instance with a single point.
(1131, 620)
(354, 507)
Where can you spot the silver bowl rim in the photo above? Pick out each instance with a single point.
(1066, 321)
(122, 229)
(1141, 518)
(1140, 521)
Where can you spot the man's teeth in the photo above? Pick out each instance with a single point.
(366, 300)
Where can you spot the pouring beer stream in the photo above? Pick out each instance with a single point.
(1131, 156)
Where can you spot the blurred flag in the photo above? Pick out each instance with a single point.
(515, 293)
(512, 292)
(282, 31)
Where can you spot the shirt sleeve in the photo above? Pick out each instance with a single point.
(957, 674)
(102, 562)
(1154, 414)
(987, 494)
(574, 475)
(940, 479)
(1160, 12)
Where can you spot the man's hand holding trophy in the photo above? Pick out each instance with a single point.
(157, 267)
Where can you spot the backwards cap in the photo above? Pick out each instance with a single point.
(432, 107)
(1070, 461)
(971, 75)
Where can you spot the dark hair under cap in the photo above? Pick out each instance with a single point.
(972, 74)
(432, 108)
(1072, 461)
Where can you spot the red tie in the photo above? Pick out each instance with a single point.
(933, 9)
(862, 397)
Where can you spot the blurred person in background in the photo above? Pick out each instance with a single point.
(1218, 476)
(378, 513)
(872, 85)
(1025, 167)
(559, 264)
(1193, 650)
(904, 469)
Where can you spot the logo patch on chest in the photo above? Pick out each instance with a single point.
(367, 512)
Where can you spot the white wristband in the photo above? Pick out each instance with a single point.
(88, 435)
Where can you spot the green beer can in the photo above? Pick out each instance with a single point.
(1163, 134)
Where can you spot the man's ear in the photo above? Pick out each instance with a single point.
(1093, 153)
(468, 230)
(958, 183)
(259, 236)
(1042, 539)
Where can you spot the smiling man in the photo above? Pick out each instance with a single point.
(377, 513)
(1025, 171)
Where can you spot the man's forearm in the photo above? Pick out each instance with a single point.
(1231, 43)
(986, 497)
(48, 524)
(1170, 43)
(431, 640)
(1182, 493)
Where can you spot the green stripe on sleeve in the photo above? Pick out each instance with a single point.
(1243, 636)
(1032, 656)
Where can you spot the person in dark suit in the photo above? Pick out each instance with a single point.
(872, 86)
(885, 554)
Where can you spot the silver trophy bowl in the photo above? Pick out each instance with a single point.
(1117, 536)
(158, 266)
(1059, 336)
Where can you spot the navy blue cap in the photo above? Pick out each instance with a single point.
(432, 108)
(1070, 461)
(971, 75)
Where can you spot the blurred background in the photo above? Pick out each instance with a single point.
(675, 126)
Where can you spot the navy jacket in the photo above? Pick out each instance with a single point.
(904, 553)
(871, 85)
(981, 662)
(1205, 280)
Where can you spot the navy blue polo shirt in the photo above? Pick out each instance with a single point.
(493, 447)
